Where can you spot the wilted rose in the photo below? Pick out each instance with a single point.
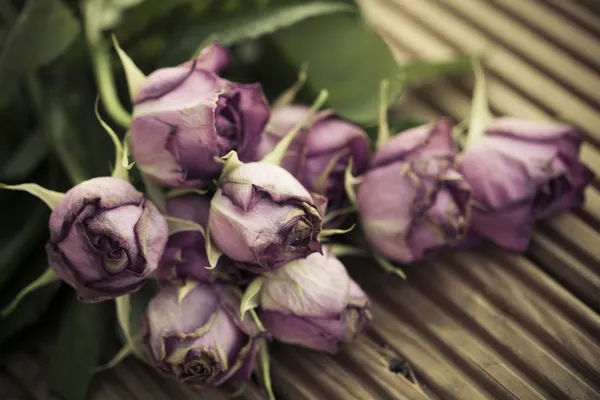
(521, 171)
(263, 217)
(186, 117)
(196, 336)
(413, 200)
(185, 255)
(320, 156)
(105, 239)
(314, 303)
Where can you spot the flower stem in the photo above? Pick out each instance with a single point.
(384, 130)
(106, 86)
(480, 110)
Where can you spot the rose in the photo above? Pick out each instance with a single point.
(413, 200)
(263, 217)
(320, 156)
(185, 255)
(186, 117)
(312, 302)
(521, 171)
(105, 239)
(196, 336)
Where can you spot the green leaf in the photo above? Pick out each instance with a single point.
(249, 25)
(135, 77)
(82, 342)
(80, 143)
(21, 241)
(24, 160)
(250, 299)
(50, 197)
(345, 57)
(422, 70)
(45, 279)
(152, 12)
(42, 32)
(34, 306)
(177, 225)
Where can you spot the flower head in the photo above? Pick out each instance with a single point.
(105, 238)
(318, 157)
(314, 303)
(521, 171)
(185, 254)
(262, 216)
(186, 117)
(414, 200)
(195, 336)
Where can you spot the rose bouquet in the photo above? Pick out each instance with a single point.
(218, 237)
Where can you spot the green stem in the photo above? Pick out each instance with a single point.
(106, 86)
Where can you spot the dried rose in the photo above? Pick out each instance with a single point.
(320, 156)
(186, 117)
(521, 171)
(105, 239)
(185, 255)
(263, 217)
(196, 336)
(314, 303)
(413, 200)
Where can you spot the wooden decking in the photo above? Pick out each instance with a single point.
(473, 325)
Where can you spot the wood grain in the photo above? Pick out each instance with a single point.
(472, 325)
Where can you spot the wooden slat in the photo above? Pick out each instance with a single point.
(472, 325)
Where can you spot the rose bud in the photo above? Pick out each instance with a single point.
(320, 156)
(105, 239)
(413, 200)
(314, 303)
(263, 217)
(521, 171)
(196, 336)
(214, 58)
(186, 117)
(185, 255)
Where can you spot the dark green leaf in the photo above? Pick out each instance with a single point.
(77, 138)
(82, 343)
(42, 32)
(231, 29)
(29, 311)
(345, 57)
(20, 241)
(25, 159)
(154, 12)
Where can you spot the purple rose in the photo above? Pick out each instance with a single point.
(413, 200)
(330, 309)
(521, 171)
(105, 239)
(320, 156)
(197, 337)
(185, 255)
(186, 117)
(263, 217)
(213, 57)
